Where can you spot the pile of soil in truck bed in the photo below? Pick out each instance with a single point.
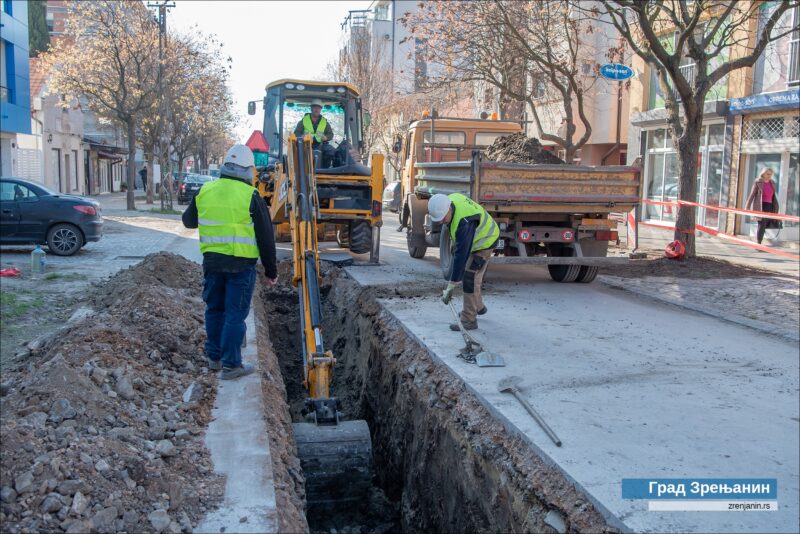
(517, 148)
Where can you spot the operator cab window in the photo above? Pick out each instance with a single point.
(435, 153)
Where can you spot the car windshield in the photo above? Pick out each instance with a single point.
(198, 178)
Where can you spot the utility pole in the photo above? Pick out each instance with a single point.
(163, 6)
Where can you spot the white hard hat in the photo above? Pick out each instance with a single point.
(238, 163)
(240, 155)
(316, 102)
(438, 206)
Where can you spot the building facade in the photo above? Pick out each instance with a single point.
(750, 123)
(15, 100)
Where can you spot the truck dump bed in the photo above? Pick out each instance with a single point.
(522, 188)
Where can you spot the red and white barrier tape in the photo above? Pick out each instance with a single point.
(738, 211)
(716, 233)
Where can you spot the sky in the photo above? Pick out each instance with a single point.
(268, 40)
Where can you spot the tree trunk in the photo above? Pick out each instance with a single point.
(150, 159)
(150, 176)
(131, 163)
(688, 151)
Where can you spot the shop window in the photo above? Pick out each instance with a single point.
(716, 134)
(772, 128)
(794, 50)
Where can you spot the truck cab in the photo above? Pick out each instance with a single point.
(437, 140)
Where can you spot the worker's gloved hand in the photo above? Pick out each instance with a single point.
(447, 294)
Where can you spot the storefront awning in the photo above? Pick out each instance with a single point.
(767, 102)
(657, 117)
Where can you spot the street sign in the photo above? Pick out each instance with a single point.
(616, 71)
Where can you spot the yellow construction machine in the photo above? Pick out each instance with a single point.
(349, 192)
(336, 455)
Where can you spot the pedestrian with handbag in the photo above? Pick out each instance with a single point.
(764, 197)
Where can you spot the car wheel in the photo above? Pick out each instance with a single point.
(64, 239)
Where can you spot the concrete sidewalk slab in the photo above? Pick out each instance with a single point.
(600, 368)
(239, 445)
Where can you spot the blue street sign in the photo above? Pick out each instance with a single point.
(616, 71)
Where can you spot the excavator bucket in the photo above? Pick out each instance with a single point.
(336, 461)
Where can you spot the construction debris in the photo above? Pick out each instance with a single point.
(517, 148)
(103, 423)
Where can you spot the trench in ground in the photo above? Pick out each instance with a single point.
(442, 461)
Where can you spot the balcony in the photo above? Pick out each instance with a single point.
(794, 64)
(689, 72)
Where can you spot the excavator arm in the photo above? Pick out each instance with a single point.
(336, 456)
(303, 209)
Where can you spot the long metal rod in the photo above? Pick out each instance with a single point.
(536, 417)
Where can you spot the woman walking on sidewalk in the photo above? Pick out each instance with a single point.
(764, 197)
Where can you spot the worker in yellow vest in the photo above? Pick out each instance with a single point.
(474, 234)
(320, 130)
(235, 230)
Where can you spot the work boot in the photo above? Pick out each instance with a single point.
(229, 373)
(467, 326)
(483, 310)
(214, 365)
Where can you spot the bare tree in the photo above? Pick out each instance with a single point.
(526, 50)
(109, 54)
(719, 37)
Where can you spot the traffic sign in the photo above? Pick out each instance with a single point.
(616, 71)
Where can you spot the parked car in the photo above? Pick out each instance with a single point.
(32, 214)
(391, 197)
(191, 186)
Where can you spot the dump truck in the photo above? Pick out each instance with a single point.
(349, 192)
(556, 215)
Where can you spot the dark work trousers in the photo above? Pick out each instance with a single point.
(227, 297)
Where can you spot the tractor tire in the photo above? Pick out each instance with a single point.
(360, 237)
(343, 236)
(587, 274)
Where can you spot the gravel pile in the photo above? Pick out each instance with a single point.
(516, 148)
(102, 422)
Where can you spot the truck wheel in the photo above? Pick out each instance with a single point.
(417, 247)
(587, 274)
(563, 273)
(343, 236)
(360, 237)
(445, 252)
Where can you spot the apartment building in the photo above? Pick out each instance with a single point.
(751, 121)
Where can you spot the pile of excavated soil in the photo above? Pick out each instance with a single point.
(102, 423)
(703, 268)
(517, 148)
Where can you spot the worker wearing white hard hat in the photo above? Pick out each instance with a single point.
(473, 234)
(318, 127)
(235, 230)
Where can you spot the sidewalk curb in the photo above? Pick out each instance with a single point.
(790, 335)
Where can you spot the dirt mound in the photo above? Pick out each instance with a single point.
(102, 424)
(163, 269)
(516, 148)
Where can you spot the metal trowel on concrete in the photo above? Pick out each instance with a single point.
(473, 352)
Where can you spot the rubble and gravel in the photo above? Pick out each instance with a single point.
(517, 148)
(96, 435)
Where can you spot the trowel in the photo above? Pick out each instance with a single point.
(473, 352)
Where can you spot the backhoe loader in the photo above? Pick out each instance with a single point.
(348, 192)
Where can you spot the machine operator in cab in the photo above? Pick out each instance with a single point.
(320, 130)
